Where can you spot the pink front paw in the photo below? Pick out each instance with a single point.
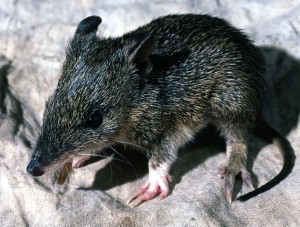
(78, 161)
(155, 186)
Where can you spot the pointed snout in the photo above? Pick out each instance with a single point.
(35, 169)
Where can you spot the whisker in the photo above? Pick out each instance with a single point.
(102, 156)
(132, 144)
(111, 172)
(144, 149)
(110, 164)
(94, 155)
(32, 125)
(127, 161)
(51, 77)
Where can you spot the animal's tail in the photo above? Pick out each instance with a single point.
(263, 130)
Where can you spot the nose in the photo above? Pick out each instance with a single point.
(35, 169)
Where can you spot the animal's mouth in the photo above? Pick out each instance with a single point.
(36, 169)
(70, 159)
(65, 167)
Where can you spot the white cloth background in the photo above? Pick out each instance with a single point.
(33, 37)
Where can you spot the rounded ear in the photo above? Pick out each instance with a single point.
(143, 50)
(140, 56)
(88, 25)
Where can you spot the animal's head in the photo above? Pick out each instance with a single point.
(90, 106)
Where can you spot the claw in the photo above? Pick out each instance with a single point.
(136, 202)
(222, 171)
(247, 179)
(141, 197)
(138, 194)
(229, 182)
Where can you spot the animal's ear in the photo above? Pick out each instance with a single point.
(88, 25)
(141, 56)
(164, 62)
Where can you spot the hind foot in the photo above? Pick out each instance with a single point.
(229, 179)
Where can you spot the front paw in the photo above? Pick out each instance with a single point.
(156, 186)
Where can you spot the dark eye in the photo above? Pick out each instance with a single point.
(95, 120)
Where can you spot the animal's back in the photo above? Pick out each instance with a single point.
(222, 74)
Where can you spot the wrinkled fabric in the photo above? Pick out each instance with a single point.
(33, 38)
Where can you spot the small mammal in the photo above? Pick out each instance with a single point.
(155, 87)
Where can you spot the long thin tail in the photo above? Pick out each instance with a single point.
(268, 133)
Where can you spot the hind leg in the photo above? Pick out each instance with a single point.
(236, 149)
